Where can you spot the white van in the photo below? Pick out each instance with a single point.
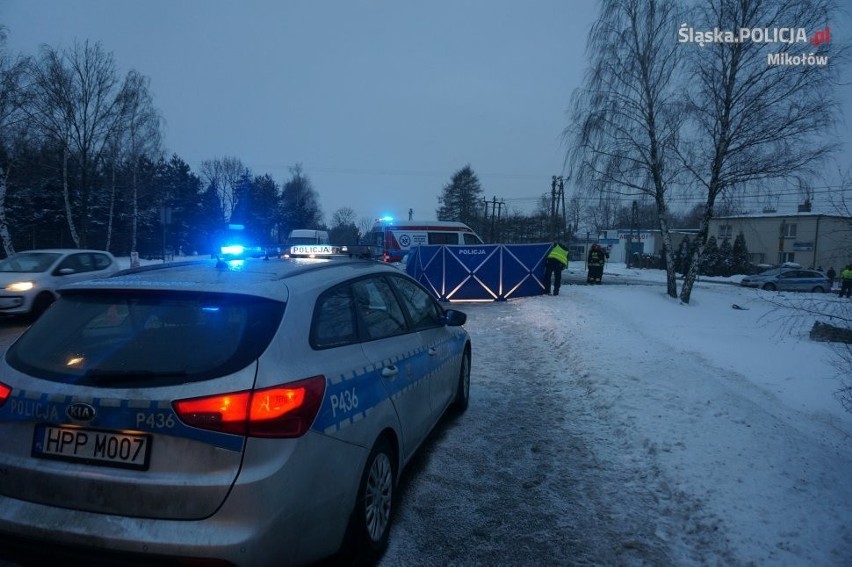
(395, 238)
(305, 236)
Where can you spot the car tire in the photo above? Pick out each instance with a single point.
(462, 398)
(818, 289)
(370, 524)
(40, 305)
(769, 287)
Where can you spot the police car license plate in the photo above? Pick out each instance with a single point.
(92, 446)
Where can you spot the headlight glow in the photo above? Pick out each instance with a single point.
(20, 286)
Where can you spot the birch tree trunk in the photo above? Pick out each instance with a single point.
(5, 237)
(67, 196)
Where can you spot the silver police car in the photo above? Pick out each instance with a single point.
(788, 279)
(254, 412)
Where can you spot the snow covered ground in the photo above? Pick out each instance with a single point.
(613, 425)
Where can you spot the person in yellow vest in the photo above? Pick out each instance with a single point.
(555, 262)
(846, 281)
(595, 261)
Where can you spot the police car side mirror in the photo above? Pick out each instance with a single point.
(455, 318)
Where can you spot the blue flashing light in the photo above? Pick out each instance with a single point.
(233, 249)
(386, 218)
(236, 227)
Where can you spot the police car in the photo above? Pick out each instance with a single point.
(788, 278)
(252, 412)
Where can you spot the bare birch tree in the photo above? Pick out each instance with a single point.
(224, 174)
(76, 105)
(12, 72)
(139, 137)
(759, 110)
(627, 115)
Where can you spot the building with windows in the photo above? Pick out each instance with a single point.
(808, 239)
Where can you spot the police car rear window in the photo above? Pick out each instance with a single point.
(145, 338)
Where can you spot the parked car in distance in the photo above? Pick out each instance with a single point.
(788, 279)
(303, 236)
(253, 412)
(29, 280)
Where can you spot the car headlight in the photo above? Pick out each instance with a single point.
(20, 286)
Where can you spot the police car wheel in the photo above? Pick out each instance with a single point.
(463, 390)
(371, 522)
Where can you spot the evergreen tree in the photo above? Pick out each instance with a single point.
(189, 230)
(683, 255)
(725, 267)
(739, 256)
(461, 198)
(710, 259)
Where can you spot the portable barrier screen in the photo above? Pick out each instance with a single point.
(494, 272)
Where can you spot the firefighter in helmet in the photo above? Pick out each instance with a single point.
(595, 262)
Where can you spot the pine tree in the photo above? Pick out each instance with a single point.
(710, 259)
(739, 256)
(725, 266)
(461, 198)
(683, 255)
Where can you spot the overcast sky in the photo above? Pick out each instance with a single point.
(380, 101)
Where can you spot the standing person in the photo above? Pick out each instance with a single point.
(846, 281)
(555, 262)
(831, 274)
(595, 262)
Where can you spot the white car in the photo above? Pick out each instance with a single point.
(29, 280)
(253, 412)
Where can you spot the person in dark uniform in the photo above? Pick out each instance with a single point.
(831, 275)
(595, 261)
(555, 262)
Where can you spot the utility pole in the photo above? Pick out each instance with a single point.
(553, 208)
(558, 219)
(493, 208)
(564, 218)
(499, 213)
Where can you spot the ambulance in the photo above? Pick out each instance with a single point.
(395, 238)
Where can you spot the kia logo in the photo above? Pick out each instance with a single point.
(80, 412)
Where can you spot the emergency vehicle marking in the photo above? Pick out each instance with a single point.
(372, 389)
(112, 413)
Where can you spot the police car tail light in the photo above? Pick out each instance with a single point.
(281, 411)
(4, 393)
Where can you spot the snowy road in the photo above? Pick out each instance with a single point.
(591, 441)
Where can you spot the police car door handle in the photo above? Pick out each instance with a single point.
(390, 371)
(433, 351)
